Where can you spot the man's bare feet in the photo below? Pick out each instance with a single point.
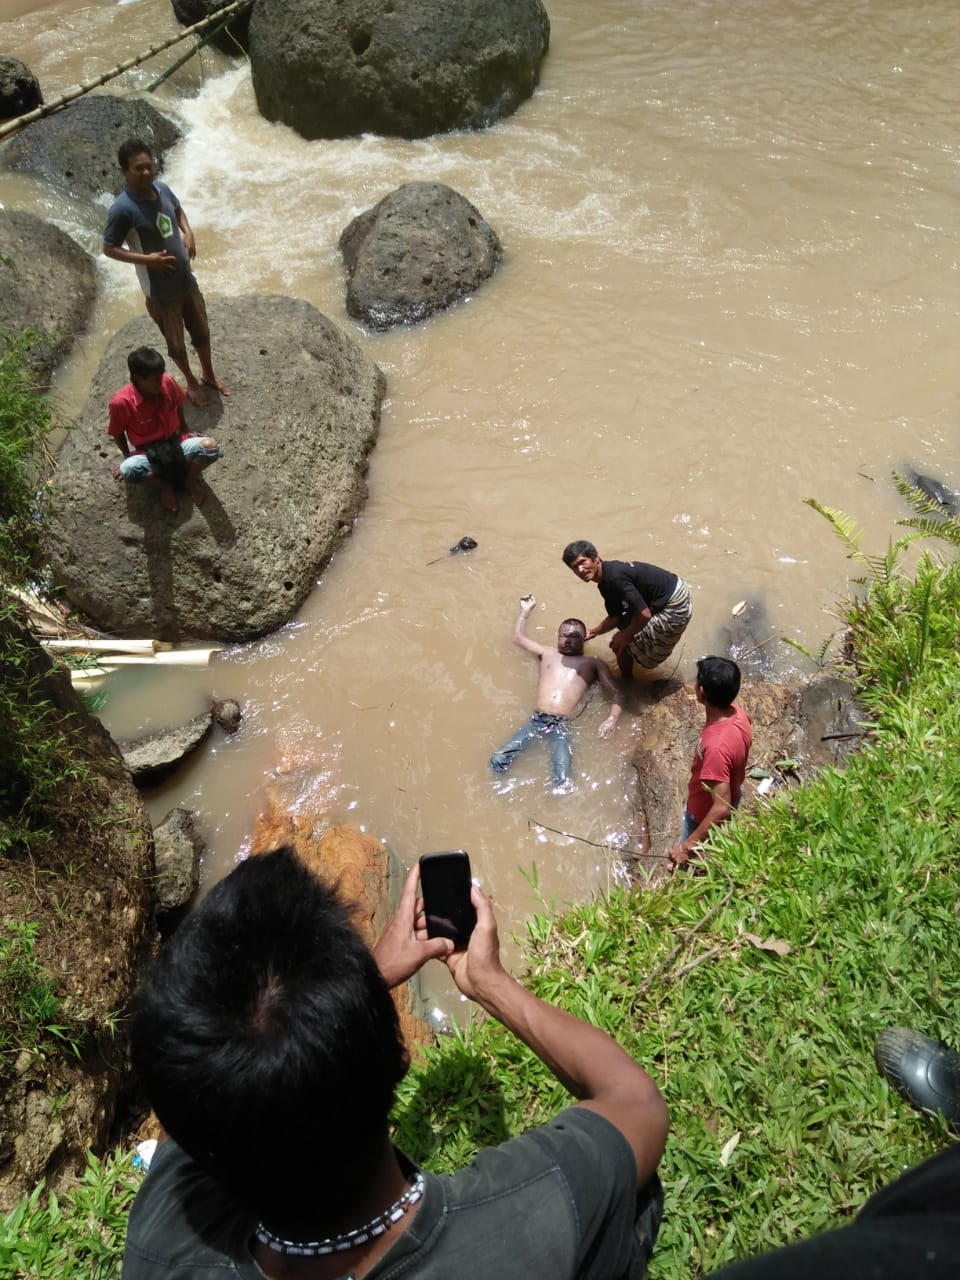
(217, 385)
(168, 499)
(196, 395)
(197, 489)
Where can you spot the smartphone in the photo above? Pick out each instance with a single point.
(445, 884)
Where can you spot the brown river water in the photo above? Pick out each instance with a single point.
(729, 283)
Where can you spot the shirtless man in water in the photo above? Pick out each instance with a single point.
(565, 676)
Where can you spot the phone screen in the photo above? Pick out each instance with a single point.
(445, 884)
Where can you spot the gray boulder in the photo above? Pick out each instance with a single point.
(227, 713)
(406, 68)
(234, 38)
(19, 88)
(76, 149)
(179, 850)
(156, 753)
(420, 249)
(302, 416)
(47, 283)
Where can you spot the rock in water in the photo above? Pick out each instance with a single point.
(47, 283)
(405, 68)
(295, 432)
(420, 249)
(19, 89)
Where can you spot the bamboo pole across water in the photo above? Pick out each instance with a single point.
(79, 90)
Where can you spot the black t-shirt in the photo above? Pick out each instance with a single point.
(908, 1230)
(630, 586)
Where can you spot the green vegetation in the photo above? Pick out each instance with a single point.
(30, 1010)
(753, 991)
(78, 1236)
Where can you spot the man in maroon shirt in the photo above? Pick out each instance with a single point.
(720, 760)
(148, 426)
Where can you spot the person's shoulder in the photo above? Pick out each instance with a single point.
(124, 395)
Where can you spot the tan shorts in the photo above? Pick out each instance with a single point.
(188, 312)
(657, 640)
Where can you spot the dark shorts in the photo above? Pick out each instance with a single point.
(188, 312)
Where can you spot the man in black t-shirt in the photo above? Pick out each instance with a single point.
(648, 607)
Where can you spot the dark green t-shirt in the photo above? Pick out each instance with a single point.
(558, 1201)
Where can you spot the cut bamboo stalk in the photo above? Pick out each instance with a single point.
(83, 645)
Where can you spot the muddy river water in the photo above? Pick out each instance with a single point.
(729, 283)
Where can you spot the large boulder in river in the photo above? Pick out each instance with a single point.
(76, 149)
(19, 88)
(302, 416)
(47, 283)
(420, 249)
(406, 68)
(235, 36)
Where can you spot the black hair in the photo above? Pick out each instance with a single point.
(719, 678)
(574, 549)
(132, 147)
(574, 622)
(268, 1044)
(144, 362)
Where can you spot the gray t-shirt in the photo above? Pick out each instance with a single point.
(148, 225)
(558, 1201)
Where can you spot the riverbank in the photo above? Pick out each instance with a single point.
(781, 1125)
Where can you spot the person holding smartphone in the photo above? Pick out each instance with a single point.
(268, 1044)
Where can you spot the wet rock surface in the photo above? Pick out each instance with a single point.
(154, 754)
(423, 247)
(233, 39)
(75, 149)
(179, 850)
(302, 416)
(19, 88)
(47, 283)
(335, 68)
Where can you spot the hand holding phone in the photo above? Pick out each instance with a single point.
(445, 882)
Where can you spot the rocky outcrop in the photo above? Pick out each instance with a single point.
(363, 868)
(302, 416)
(87, 891)
(155, 754)
(335, 68)
(47, 283)
(179, 850)
(420, 249)
(234, 38)
(75, 150)
(795, 732)
(19, 88)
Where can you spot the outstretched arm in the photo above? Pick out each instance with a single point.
(607, 624)
(586, 1061)
(616, 693)
(636, 623)
(520, 638)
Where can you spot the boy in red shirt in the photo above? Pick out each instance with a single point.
(720, 760)
(147, 423)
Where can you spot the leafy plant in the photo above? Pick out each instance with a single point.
(30, 1010)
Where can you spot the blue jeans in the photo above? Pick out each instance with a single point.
(540, 725)
(136, 466)
(690, 823)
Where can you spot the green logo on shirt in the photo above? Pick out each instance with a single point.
(165, 225)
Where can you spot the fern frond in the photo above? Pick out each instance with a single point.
(844, 526)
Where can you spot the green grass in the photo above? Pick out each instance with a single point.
(781, 1124)
(76, 1236)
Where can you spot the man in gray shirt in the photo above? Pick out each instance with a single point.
(269, 1046)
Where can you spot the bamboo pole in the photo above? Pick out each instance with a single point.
(181, 62)
(101, 646)
(79, 90)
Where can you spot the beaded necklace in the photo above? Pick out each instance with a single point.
(349, 1239)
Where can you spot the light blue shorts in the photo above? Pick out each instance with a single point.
(137, 467)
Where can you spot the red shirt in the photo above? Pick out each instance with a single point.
(141, 420)
(721, 756)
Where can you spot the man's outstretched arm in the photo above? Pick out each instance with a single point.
(520, 638)
(586, 1061)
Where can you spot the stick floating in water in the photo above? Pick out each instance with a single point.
(466, 543)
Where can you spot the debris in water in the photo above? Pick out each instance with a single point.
(466, 543)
